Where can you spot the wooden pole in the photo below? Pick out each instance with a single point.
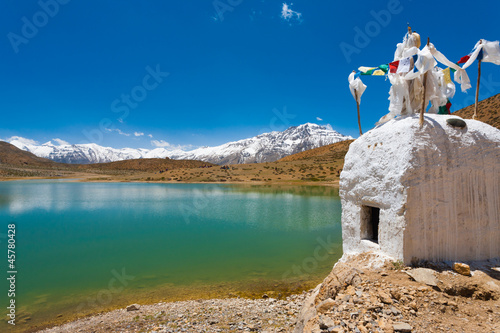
(477, 87)
(422, 110)
(359, 117)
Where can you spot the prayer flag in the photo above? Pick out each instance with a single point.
(376, 71)
(404, 65)
(393, 66)
(464, 59)
(447, 76)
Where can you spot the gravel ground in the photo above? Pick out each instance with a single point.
(216, 315)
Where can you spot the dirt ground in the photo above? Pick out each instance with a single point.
(357, 298)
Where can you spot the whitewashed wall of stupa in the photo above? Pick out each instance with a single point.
(453, 203)
(437, 187)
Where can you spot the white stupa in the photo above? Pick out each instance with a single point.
(430, 192)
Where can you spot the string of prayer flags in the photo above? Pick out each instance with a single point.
(375, 71)
(400, 66)
(466, 58)
(485, 51)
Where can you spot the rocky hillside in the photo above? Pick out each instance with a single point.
(329, 152)
(488, 111)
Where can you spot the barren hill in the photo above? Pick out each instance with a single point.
(488, 111)
(334, 151)
(147, 164)
(10, 154)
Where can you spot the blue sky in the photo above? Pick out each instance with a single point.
(206, 72)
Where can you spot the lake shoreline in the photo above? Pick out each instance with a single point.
(211, 315)
(90, 180)
(226, 296)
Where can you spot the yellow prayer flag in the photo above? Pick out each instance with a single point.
(447, 76)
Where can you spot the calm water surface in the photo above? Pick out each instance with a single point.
(86, 247)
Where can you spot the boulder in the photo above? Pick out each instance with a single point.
(401, 327)
(133, 307)
(460, 268)
(326, 305)
(424, 275)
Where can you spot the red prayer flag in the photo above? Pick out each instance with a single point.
(463, 60)
(393, 66)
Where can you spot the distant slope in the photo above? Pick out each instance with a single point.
(333, 151)
(147, 164)
(10, 154)
(488, 111)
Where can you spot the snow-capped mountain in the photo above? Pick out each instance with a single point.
(265, 147)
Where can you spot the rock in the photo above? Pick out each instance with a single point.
(336, 329)
(265, 296)
(326, 305)
(423, 275)
(252, 328)
(396, 294)
(326, 322)
(395, 311)
(401, 327)
(455, 122)
(384, 297)
(133, 307)
(461, 268)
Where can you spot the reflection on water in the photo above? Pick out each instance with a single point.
(74, 238)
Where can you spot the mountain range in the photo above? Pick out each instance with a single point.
(267, 147)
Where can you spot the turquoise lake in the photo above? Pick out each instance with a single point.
(87, 247)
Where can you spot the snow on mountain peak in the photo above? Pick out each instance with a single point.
(266, 147)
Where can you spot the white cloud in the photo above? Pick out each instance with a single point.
(160, 143)
(329, 127)
(138, 134)
(117, 130)
(319, 119)
(165, 144)
(150, 135)
(61, 142)
(21, 140)
(288, 14)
